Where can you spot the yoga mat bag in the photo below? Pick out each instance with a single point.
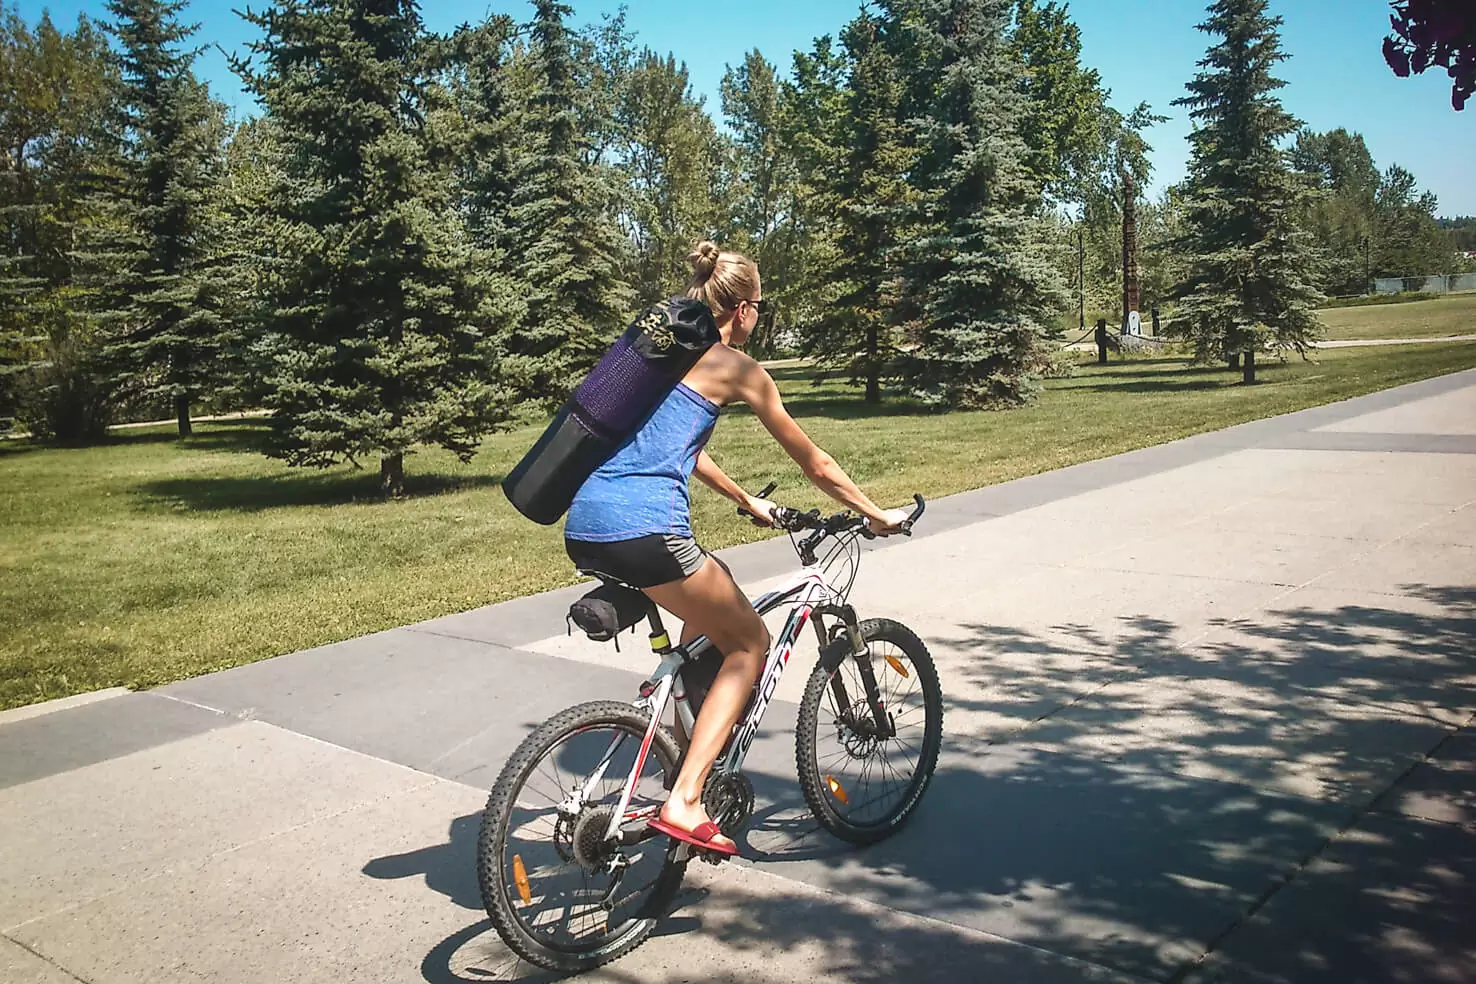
(610, 405)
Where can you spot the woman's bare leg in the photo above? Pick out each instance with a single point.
(709, 603)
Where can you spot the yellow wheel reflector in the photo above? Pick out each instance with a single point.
(896, 664)
(520, 876)
(837, 790)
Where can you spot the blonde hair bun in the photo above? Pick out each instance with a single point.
(704, 259)
(721, 278)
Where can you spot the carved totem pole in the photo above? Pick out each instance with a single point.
(1131, 321)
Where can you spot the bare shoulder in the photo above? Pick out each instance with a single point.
(724, 374)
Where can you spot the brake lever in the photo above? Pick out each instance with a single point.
(764, 493)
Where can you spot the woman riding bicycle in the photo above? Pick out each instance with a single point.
(631, 520)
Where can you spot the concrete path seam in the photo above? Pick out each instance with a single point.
(428, 781)
(175, 869)
(1296, 870)
(433, 779)
(312, 738)
(1382, 544)
(43, 958)
(27, 712)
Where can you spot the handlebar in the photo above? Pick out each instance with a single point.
(795, 521)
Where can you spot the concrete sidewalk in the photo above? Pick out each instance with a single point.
(1209, 719)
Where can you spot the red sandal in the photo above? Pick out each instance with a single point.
(701, 837)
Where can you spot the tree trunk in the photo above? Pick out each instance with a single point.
(1234, 361)
(1249, 374)
(873, 371)
(182, 414)
(392, 474)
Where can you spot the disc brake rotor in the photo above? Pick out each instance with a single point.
(859, 740)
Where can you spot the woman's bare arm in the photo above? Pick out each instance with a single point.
(716, 479)
(756, 388)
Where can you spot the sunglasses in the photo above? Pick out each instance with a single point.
(758, 305)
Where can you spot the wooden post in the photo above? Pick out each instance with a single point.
(1101, 341)
(1130, 284)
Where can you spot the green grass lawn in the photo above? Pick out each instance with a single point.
(151, 559)
(1439, 317)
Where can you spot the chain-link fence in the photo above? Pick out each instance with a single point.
(1444, 284)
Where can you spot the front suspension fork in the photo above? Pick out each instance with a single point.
(861, 653)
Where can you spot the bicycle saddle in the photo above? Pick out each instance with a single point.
(609, 609)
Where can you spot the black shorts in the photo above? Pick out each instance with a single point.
(643, 562)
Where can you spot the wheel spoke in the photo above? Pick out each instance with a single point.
(877, 772)
(564, 912)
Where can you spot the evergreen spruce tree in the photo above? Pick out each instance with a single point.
(56, 95)
(976, 281)
(809, 112)
(485, 172)
(761, 195)
(385, 326)
(239, 235)
(870, 182)
(1251, 283)
(564, 241)
(166, 334)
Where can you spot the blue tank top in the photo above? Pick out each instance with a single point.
(642, 489)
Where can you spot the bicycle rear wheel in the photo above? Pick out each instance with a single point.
(544, 867)
(861, 783)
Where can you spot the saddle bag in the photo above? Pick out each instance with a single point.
(609, 610)
(627, 385)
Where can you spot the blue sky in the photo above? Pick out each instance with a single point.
(1145, 50)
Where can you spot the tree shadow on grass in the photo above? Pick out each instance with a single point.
(247, 437)
(1157, 384)
(1172, 369)
(261, 492)
(244, 437)
(1184, 380)
(839, 406)
(810, 393)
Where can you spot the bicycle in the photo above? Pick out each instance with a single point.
(598, 798)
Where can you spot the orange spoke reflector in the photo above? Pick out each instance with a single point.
(520, 877)
(896, 664)
(837, 790)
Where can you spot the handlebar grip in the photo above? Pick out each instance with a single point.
(764, 493)
(916, 514)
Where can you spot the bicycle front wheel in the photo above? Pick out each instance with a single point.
(561, 895)
(861, 780)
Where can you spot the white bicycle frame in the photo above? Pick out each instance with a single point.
(807, 590)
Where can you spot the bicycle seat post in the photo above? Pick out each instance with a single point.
(660, 641)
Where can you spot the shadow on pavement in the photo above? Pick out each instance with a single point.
(449, 869)
(1163, 803)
